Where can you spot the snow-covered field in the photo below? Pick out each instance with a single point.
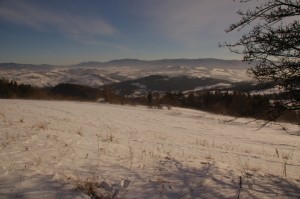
(65, 149)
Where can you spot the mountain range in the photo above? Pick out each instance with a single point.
(97, 74)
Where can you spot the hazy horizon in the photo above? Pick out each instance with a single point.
(146, 60)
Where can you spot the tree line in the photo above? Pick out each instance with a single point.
(10, 89)
(234, 103)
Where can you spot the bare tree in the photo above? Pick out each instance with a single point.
(273, 44)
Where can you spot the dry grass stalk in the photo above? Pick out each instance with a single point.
(5, 124)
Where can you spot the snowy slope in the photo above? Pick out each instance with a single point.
(55, 149)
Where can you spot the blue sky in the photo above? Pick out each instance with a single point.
(73, 31)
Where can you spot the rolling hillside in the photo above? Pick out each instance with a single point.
(98, 74)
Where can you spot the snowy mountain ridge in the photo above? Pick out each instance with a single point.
(102, 73)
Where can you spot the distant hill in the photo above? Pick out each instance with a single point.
(162, 83)
(207, 62)
(97, 74)
(165, 83)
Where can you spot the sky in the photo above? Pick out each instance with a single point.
(73, 31)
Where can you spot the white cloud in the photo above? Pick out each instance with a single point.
(193, 22)
(65, 22)
(95, 42)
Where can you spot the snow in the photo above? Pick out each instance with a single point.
(142, 86)
(201, 68)
(52, 149)
(98, 76)
(275, 90)
(219, 85)
(236, 75)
